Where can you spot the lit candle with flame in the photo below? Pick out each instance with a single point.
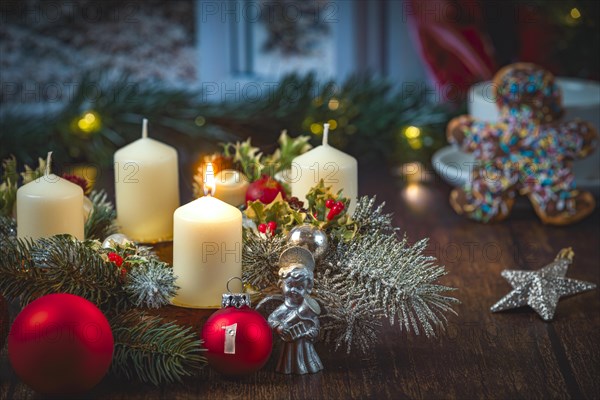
(231, 187)
(207, 247)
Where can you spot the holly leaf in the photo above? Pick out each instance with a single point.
(31, 174)
(249, 158)
(289, 148)
(278, 210)
(340, 225)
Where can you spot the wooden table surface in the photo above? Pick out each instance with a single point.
(508, 355)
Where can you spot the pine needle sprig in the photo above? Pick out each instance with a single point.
(371, 219)
(62, 264)
(101, 221)
(260, 258)
(349, 319)
(19, 277)
(8, 228)
(399, 277)
(152, 350)
(58, 264)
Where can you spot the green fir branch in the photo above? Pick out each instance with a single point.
(62, 264)
(59, 264)
(370, 113)
(152, 350)
(101, 221)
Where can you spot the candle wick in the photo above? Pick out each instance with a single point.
(144, 128)
(325, 134)
(48, 162)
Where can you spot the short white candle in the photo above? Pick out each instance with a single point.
(336, 168)
(146, 189)
(49, 205)
(207, 248)
(231, 186)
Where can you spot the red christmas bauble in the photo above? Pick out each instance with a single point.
(60, 344)
(238, 340)
(264, 189)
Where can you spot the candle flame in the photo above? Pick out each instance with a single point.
(209, 180)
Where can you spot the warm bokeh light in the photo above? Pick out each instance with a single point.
(415, 144)
(89, 122)
(333, 104)
(332, 124)
(575, 14)
(317, 129)
(200, 120)
(418, 197)
(412, 132)
(412, 171)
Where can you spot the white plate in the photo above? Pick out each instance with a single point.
(581, 99)
(454, 166)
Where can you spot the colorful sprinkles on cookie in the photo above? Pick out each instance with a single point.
(525, 152)
(525, 90)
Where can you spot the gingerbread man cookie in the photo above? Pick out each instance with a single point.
(528, 151)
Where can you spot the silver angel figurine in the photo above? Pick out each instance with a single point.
(296, 321)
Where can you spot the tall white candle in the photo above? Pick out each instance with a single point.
(146, 189)
(50, 205)
(336, 168)
(207, 248)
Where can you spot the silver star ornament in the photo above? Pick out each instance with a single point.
(542, 289)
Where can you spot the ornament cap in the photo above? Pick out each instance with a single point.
(236, 300)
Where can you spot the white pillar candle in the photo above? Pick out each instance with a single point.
(49, 205)
(207, 248)
(336, 168)
(146, 189)
(231, 186)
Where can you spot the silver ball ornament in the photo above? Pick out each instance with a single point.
(116, 239)
(309, 237)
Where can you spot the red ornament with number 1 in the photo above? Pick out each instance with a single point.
(237, 338)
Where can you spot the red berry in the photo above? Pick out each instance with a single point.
(262, 228)
(329, 203)
(123, 274)
(272, 227)
(339, 205)
(115, 259)
(332, 213)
